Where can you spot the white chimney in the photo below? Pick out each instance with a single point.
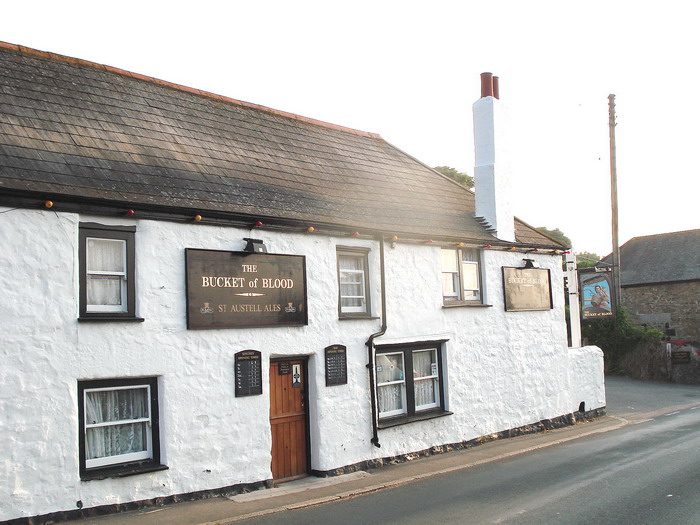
(492, 171)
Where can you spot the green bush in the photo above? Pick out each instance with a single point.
(617, 337)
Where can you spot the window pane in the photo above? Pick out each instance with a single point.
(450, 285)
(354, 290)
(448, 260)
(104, 290)
(470, 274)
(424, 363)
(390, 398)
(105, 255)
(470, 254)
(347, 277)
(103, 406)
(389, 368)
(352, 302)
(348, 262)
(116, 440)
(426, 392)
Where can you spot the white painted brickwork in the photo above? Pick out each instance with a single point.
(502, 370)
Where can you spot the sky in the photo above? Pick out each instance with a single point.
(409, 71)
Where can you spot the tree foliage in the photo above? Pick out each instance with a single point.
(617, 337)
(465, 180)
(556, 234)
(587, 259)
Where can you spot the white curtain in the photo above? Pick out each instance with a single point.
(352, 286)
(390, 368)
(105, 255)
(117, 406)
(424, 365)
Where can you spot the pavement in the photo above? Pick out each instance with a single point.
(629, 402)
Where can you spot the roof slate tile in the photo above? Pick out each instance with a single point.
(86, 130)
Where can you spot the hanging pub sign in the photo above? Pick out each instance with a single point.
(336, 365)
(248, 373)
(526, 289)
(595, 289)
(244, 289)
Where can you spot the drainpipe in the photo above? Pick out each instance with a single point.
(370, 349)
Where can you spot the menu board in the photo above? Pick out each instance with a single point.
(248, 372)
(336, 365)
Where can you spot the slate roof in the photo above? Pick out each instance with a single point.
(75, 129)
(662, 258)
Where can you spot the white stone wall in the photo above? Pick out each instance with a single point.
(502, 369)
(587, 377)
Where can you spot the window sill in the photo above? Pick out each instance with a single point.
(121, 471)
(109, 318)
(459, 304)
(357, 317)
(421, 416)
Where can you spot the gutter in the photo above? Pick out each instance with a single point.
(370, 349)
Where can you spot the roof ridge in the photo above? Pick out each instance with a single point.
(663, 234)
(207, 94)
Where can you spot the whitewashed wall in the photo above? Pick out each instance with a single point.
(503, 369)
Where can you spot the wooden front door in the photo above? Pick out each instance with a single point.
(288, 419)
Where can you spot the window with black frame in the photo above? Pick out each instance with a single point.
(119, 425)
(107, 273)
(409, 381)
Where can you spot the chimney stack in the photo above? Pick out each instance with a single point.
(492, 170)
(489, 86)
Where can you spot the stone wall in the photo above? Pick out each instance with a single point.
(663, 306)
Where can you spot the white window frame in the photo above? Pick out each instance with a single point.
(122, 458)
(435, 377)
(402, 382)
(123, 306)
(360, 254)
(462, 293)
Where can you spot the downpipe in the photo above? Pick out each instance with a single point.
(370, 350)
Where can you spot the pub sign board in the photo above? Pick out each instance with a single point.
(244, 289)
(595, 288)
(526, 289)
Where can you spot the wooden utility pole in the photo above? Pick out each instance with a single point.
(617, 271)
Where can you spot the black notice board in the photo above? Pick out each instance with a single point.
(336, 365)
(248, 372)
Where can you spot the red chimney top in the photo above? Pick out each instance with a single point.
(489, 85)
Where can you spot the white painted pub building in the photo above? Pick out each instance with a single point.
(202, 296)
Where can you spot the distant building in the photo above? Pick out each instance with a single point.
(661, 282)
(202, 296)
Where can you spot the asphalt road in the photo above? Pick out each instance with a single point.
(644, 473)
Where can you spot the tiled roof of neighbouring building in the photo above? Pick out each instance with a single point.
(662, 258)
(75, 129)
